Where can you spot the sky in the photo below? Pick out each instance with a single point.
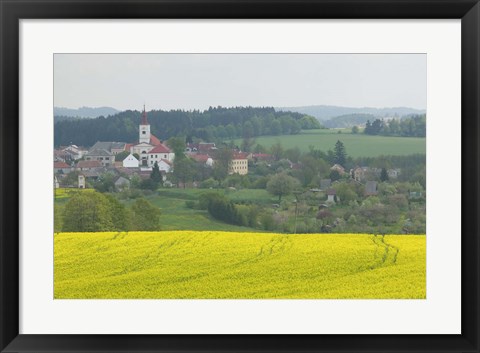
(197, 81)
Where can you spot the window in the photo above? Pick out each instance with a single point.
(144, 132)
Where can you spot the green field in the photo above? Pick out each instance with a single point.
(189, 264)
(175, 215)
(357, 145)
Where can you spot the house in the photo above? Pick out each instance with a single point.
(61, 167)
(360, 173)
(158, 153)
(393, 173)
(75, 151)
(260, 157)
(112, 147)
(122, 183)
(164, 165)
(202, 147)
(201, 158)
(371, 188)
(206, 147)
(331, 193)
(103, 156)
(93, 174)
(130, 162)
(238, 164)
(88, 165)
(338, 168)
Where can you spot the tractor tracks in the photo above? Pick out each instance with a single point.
(385, 254)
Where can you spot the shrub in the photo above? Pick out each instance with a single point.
(190, 204)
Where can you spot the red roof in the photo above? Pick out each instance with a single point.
(60, 165)
(331, 192)
(239, 155)
(200, 157)
(206, 146)
(155, 141)
(128, 146)
(89, 164)
(160, 148)
(262, 156)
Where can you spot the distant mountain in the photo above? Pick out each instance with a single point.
(84, 112)
(325, 112)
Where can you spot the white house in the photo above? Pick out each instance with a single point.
(158, 153)
(130, 161)
(331, 195)
(164, 165)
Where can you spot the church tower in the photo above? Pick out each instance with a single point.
(144, 128)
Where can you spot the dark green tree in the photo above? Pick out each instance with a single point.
(156, 176)
(384, 175)
(340, 154)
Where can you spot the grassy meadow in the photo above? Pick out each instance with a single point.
(357, 145)
(177, 216)
(233, 265)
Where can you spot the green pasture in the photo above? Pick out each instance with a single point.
(357, 145)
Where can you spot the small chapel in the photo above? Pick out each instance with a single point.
(149, 147)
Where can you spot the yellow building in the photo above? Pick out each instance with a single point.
(239, 164)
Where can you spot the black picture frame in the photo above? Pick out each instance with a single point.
(11, 11)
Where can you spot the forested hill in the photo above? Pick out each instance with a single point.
(325, 112)
(209, 125)
(84, 112)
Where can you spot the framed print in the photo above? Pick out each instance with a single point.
(236, 176)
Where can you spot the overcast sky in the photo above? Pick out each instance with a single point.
(197, 81)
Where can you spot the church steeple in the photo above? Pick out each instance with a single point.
(144, 129)
(144, 117)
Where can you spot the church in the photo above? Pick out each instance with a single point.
(149, 147)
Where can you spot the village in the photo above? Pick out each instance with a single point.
(125, 160)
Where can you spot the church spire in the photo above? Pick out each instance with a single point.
(144, 117)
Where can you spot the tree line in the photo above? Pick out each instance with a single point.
(209, 125)
(414, 126)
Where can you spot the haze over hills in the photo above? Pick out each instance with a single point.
(325, 112)
(84, 112)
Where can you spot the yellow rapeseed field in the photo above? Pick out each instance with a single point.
(193, 264)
